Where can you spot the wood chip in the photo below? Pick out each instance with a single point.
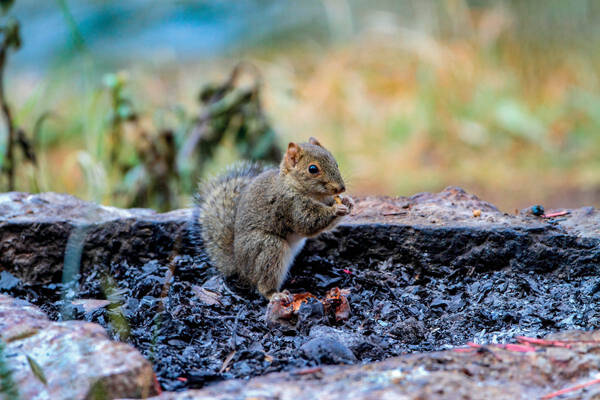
(226, 362)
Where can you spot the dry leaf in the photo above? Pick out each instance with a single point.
(207, 296)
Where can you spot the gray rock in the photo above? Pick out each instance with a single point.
(360, 347)
(432, 230)
(327, 350)
(427, 230)
(346, 338)
(37, 230)
(8, 281)
(75, 358)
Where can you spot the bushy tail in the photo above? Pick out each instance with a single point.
(216, 201)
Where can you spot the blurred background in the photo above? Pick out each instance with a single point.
(129, 103)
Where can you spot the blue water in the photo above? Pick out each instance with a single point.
(120, 31)
(115, 31)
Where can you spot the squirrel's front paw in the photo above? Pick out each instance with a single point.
(341, 210)
(284, 296)
(348, 202)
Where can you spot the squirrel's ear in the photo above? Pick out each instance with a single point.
(313, 140)
(292, 155)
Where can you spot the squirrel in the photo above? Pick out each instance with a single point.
(254, 220)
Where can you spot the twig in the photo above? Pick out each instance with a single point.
(520, 348)
(308, 371)
(556, 214)
(464, 349)
(11, 39)
(571, 389)
(233, 340)
(543, 342)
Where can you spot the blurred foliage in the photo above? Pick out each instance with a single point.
(16, 137)
(8, 387)
(118, 323)
(501, 97)
(150, 167)
(236, 111)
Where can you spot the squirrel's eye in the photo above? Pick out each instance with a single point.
(313, 169)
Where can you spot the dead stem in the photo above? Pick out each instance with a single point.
(9, 166)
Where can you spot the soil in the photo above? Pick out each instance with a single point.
(396, 309)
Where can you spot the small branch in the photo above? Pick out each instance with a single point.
(542, 342)
(570, 389)
(308, 371)
(556, 214)
(233, 339)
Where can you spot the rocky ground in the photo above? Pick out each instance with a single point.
(425, 273)
(569, 361)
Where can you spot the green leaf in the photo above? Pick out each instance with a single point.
(37, 370)
(110, 80)
(124, 111)
(6, 5)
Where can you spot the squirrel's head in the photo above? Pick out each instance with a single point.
(312, 169)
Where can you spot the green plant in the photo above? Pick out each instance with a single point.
(118, 321)
(231, 108)
(8, 387)
(150, 166)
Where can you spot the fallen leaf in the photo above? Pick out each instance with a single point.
(283, 306)
(90, 304)
(37, 370)
(207, 296)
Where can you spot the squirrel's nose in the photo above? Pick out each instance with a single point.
(342, 189)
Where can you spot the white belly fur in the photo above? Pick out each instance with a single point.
(296, 243)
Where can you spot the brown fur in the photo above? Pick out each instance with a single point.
(254, 221)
